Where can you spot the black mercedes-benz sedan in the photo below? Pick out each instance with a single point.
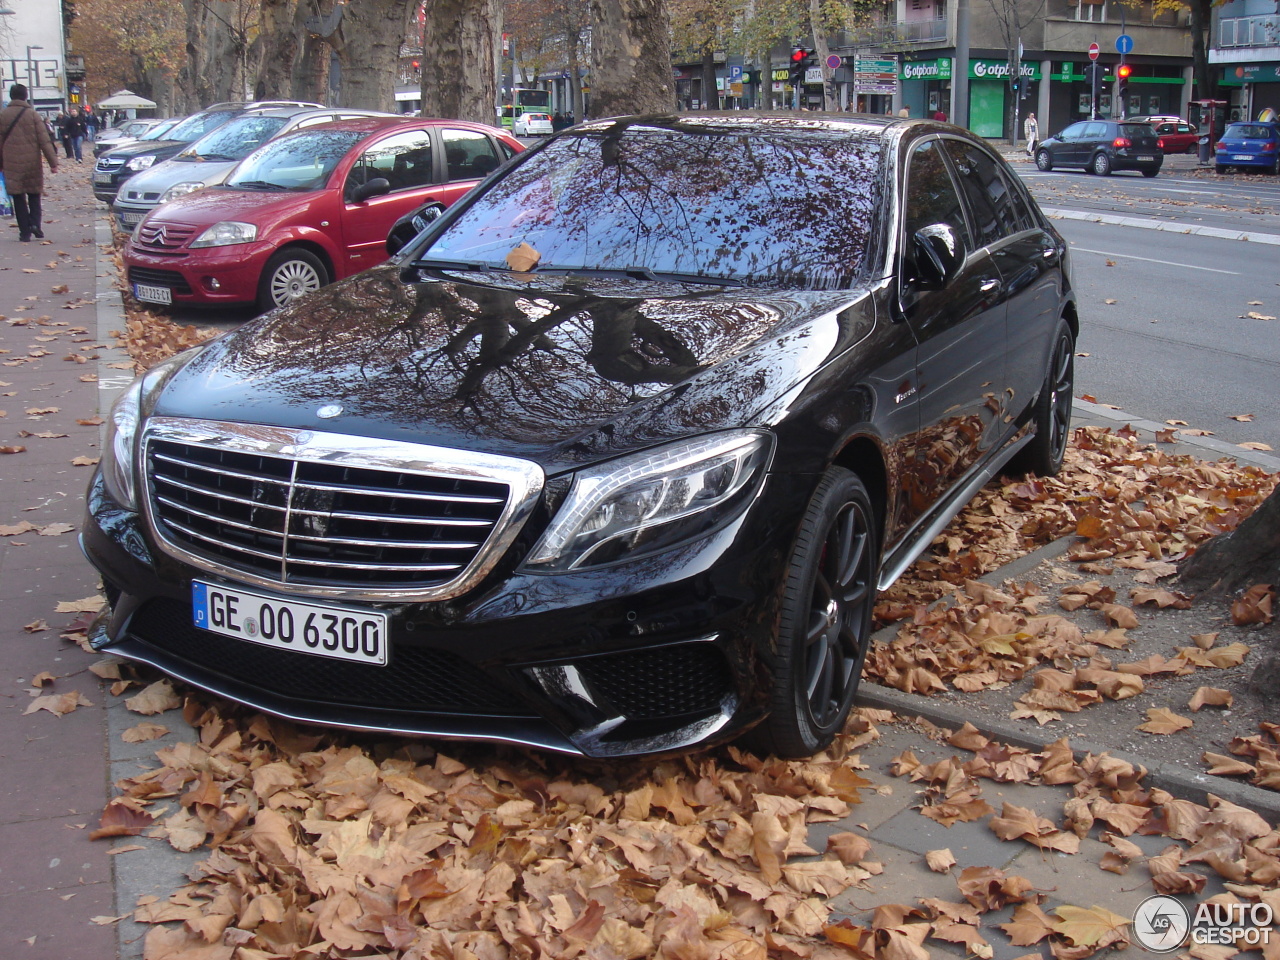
(614, 456)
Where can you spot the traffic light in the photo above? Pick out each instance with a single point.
(799, 65)
(1122, 85)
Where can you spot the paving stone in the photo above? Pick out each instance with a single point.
(52, 854)
(972, 844)
(59, 922)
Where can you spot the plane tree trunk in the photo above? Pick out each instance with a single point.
(1240, 558)
(459, 72)
(630, 58)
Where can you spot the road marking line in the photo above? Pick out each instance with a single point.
(1167, 263)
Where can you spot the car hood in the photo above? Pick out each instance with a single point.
(207, 207)
(141, 147)
(559, 371)
(164, 175)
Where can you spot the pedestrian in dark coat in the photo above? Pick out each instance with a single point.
(23, 138)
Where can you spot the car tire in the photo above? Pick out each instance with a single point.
(1219, 168)
(1044, 160)
(289, 274)
(1101, 165)
(825, 622)
(1052, 416)
(1150, 172)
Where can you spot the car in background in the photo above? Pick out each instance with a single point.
(130, 132)
(1176, 136)
(307, 208)
(1102, 147)
(613, 458)
(1249, 144)
(117, 166)
(212, 157)
(532, 125)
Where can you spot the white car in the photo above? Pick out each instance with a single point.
(532, 125)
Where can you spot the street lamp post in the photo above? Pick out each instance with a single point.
(33, 72)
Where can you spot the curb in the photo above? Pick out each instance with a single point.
(1176, 779)
(1089, 216)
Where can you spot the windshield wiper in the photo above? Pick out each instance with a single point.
(645, 273)
(258, 185)
(213, 156)
(434, 263)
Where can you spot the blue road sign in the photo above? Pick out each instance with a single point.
(1124, 43)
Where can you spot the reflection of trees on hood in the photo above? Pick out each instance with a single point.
(501, 357)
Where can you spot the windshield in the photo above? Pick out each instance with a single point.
(791, 204)
(198, 124)
(1248, 131)
(160, 129)
(235, 140)
(300, 161)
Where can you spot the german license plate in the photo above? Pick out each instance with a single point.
(1146, 159)
(1242, 156)
(102, 178)
(316, 628)
(131, 217)
(150, 294)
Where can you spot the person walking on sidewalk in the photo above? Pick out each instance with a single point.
(23, 138)
(1031, 132)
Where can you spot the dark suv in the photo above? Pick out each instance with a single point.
(1101, 146)
(117, 166)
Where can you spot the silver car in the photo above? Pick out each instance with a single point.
(131, 131)
(208, 161)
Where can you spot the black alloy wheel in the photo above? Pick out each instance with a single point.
(1044, 160)
(825, 624)
(1044, 454)
(1150, 172)
(1102, 165)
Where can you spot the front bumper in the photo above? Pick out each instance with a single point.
(208, 276)
(126, 216)
(651, 656)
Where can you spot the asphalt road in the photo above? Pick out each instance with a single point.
(1164, 321)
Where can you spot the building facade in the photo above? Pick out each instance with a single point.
(1246, 49)
(33, 53)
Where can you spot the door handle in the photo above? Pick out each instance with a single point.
(989, 285)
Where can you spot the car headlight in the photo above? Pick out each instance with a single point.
(120, 449)
(225, 233)
(653, 500)
(181, 190)
(140, 163)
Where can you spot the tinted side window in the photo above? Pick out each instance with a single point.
(470, 155)
(931, 194)
(1073, 132)
(1094, 131)
(404, 159)
(990, 200)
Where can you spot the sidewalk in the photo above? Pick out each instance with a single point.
(56, 771)
(53, 770)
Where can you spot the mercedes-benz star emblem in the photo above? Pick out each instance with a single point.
(329, 411)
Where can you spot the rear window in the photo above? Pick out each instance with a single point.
(1132, 130)
(1250, 131)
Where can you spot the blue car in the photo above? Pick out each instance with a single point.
(1254, 144)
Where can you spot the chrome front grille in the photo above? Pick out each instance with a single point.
(332, 515)
(165, 236)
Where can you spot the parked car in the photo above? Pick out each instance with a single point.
(1249, 144)
(130, 132)
(304, 209)
(614, 456)
(117, 166)
(1176, 136)
(1103, 146)
(212, 157)
(532, 125)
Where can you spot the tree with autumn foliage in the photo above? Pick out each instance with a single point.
(551, 34)
(133, 44)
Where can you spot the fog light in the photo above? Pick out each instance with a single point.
(212, 283)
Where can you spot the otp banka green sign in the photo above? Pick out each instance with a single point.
(939, 69)
(999, 69)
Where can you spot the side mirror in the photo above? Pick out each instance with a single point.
(376, 187)
(404, 230)
(937, 253)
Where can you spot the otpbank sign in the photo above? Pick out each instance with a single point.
(939, 69)
(999, 69)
